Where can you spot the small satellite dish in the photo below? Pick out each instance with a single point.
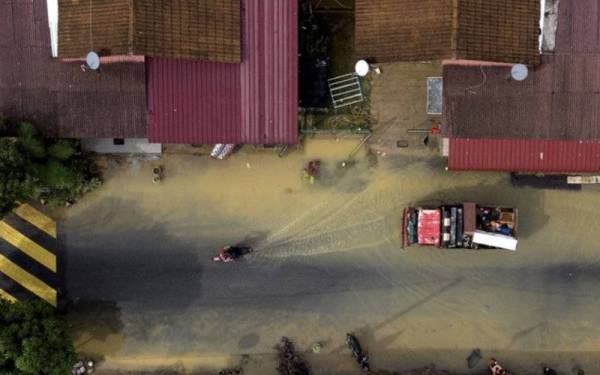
(362, 68)
(92, 60)
(519, 72)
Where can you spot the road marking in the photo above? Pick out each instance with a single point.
(7, 296)
(37, 218)
(27, 280)
(35, 251)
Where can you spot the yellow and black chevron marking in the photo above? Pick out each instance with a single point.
(28, 256)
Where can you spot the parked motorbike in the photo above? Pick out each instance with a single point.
(496, 369)
(361, 357)
(232, 253)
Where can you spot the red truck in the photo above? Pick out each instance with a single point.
(461, 226)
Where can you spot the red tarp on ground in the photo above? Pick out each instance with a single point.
(429, 227)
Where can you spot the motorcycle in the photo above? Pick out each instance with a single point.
(357, 352)
(232, 253)
(496, 369)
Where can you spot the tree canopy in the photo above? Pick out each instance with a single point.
(33, 340)
(15, 182)
(32, 167)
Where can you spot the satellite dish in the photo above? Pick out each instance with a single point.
(362, 68)
(92, 60)
(519, 72)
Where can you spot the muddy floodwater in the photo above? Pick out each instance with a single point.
(328, 260)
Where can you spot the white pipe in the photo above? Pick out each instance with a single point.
(52, 6)
(542, 12)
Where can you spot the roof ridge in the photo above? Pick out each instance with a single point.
(455, 26)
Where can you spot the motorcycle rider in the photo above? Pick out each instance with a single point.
(230, 253)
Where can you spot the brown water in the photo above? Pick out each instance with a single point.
(328, 260)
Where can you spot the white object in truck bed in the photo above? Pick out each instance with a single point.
(497, 240)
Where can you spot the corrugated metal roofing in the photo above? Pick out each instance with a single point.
(60, 98)
(195, 29)
(409, 30)
(555, 111)
(519, 155)
(559, 100)
(255, 102)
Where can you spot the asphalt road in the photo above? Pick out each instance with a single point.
(327, 261)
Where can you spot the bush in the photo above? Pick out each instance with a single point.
(34, 167)
(63, 149)
(16, 184)
(33, 340)
(30, 142)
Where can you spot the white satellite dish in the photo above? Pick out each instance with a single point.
(92, 60)
(519, 72)
(362, 68)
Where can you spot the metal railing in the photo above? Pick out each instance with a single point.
(345, 90)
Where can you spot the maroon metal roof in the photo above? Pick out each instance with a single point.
(559, 100)
(59, 97)
(520, 155)
(255, 102)
(496, 123)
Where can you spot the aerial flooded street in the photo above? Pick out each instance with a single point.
(118, 224)
(328, 260)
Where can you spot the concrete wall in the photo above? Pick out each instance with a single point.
(131, 146)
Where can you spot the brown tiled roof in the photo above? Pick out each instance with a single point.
(86, 25)
(410, 30)
(195, 29)
(60, 98)
(559, 100)
(203, 29)
(501, 31)
(401, 30)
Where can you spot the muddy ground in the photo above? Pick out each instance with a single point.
(328, 261)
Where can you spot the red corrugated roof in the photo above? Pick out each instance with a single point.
(255, 102)
(522, 155)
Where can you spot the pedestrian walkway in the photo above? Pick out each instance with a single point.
(28, 261)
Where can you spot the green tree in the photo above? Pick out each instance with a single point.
(30, 141)
(16, 181)
(32, 167)
(34, 340)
